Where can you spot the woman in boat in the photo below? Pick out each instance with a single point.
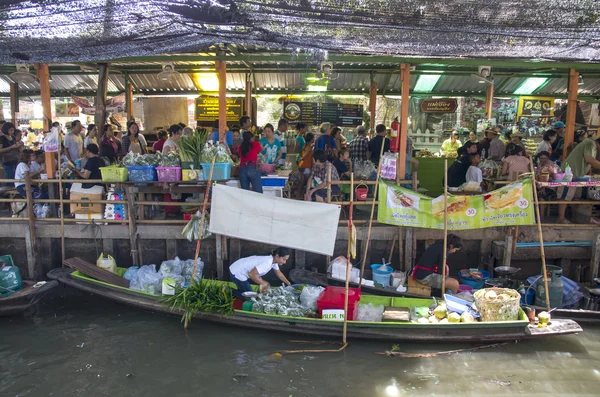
(255, 267)
(428, 270)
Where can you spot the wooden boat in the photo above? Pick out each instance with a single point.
(391, 331)
(300, 276)
(579, 315)
(25, 298)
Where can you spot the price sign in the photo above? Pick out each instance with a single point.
(523, 203)
(471, 212)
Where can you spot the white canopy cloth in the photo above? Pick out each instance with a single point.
(283, 222)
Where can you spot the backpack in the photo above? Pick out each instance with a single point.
(328, 149)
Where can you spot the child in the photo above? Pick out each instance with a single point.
(23, 168)
(515, 164)
(474, 173)
(317, 184)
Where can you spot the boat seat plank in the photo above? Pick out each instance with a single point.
(96, 272)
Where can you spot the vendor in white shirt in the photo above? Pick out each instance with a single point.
(254, 268)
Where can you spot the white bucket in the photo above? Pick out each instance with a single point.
(168, 286)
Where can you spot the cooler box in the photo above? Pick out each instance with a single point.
(274, 181)
(333, 298)
(83, 196)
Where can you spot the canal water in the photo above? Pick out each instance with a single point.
(77, 344)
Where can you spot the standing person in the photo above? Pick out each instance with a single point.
(340, 140)
(326, 142)
(301, 129)
(245, 124)
(92, 166)
(497, 148)
(474, 173)
(174, 134)
(305, 165)
(515, 164)
(559, 144)
(187, 131)
(254, 268)
(548, 140)
(91, 136)
(376, 142)
(451, 145)
(359, 147)
(271, 145)
(132, 142)
(74, 143)
(317, 183)
(160, 143)
(457, 172)
(249, 173)
(10, 150)
(282, 127)
(428, 270)
(215, 135)
(22, 168)
(483, 147)
(472, 138)
(581, 160)
(234, 148)
(110, 146)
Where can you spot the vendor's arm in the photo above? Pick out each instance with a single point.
(592, 161)
(279, 154)
(253, 275)
(504, 167)
(281, 276)
(85, 174)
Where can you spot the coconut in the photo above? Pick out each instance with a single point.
(453, 318)
(441, 311)
(444, 321)
(433, 319)
(466, 317)
(491, 294)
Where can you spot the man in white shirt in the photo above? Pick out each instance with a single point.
(74, 142)
(282, 128)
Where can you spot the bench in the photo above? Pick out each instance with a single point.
(417, 288)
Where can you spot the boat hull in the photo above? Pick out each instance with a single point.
(463, 332)
(22, 300)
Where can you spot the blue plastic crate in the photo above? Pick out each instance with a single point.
(141, 173)
(274, 182)
(222, 171)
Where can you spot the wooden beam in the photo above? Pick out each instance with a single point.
(489, 101)
(573, 88)
(222, 75)
(100, 115)
(14, 102)
(248, 101)
(405, 81)
(373, 104)
(128, 97)
(44, 77)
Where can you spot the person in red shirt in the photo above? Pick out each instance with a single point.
(249, 173)
(162, 138)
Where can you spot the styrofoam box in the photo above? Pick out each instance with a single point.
(88, 217)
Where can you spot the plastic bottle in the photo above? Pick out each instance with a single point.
(523, 293)
(568, 172)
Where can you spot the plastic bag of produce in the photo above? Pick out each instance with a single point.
(131, 272)
(309, 297)
(171, 268)
(107, 263)
(188, 266)
(489, 168)
(147, 280)
(364, 170)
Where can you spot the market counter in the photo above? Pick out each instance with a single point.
(431, 174)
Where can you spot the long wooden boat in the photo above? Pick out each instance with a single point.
(392, 331)
(579, 315)
(301, 276)
(25, 298)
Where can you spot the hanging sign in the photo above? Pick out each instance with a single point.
(315, 113)
(439, 105)
(511, 205)
(536, 106)
(207, 109)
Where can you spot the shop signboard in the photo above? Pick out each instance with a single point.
(447, 105)
(314, 113)
(511, 205)
(207, 109)
(66, 109)
(532, 106)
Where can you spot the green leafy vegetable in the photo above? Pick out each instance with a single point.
(191, 146)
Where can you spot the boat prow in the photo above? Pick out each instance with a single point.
(25, 298)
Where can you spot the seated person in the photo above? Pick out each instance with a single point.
(341, 164)
(38, 162)
(457, 172)
(317, 183)
(515, 164)
(92, 166)
(474, 173)
(24, 167)
(428, 270)
(468, 148)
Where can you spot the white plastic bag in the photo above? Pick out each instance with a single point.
(309, 297)
(188, 266)
(489, 168)
(388, 165)
(147, 280)
(171, 268)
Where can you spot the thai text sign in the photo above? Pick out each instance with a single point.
(207, 109)
(439, 105)
(511, 205)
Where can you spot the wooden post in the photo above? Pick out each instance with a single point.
(373, 104)
(328, 258)
(248, 100)
(489, 101)
(405, 81)
(445, 248)
(44, 78)
(595, 257)
(222, 75)
(14, 102)
(235, 249)
(508, 243)
(133, 234)
(30, 213)
(573, 87)
(128, 97)
(100, 115)
(219, 252)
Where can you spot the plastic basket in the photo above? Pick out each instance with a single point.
(168, 174)
(475, 283)
(222, 171)
(141, 173)
(498, 309)
(114, 173)
(333, 298)
(273, 182)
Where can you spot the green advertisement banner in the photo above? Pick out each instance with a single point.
(511, 205)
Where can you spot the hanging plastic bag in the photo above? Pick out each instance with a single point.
(309, 297)
(107, 263)
(388, 165)
(364, 170)
(489, 168)
(147, 280)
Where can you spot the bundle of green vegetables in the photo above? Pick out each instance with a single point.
(170, 159)
(191, 231)
(141, 159)
(204, 296)
(191, 146)
(220, 151)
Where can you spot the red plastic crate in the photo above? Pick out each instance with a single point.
(333, 298)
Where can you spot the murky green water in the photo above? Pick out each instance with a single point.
(76, 344)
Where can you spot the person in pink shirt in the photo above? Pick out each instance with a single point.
(515, 164)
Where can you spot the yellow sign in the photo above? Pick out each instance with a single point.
(532, 106)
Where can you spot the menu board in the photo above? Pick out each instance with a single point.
(536, 106)
(207, 109)
(313, 113)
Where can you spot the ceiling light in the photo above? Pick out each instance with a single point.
(425, 83)
(317, 87)
(207, 81)
(530, 85)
